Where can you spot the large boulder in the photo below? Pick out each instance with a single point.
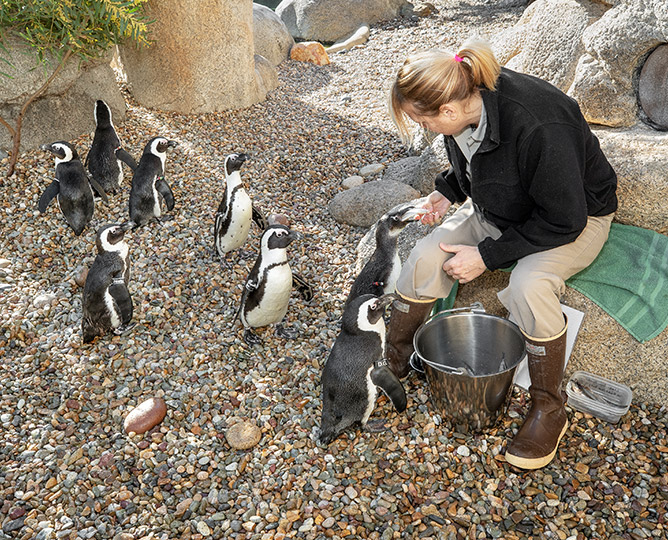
(201, 59)
(547, 40)
(270, 35)
(593, 50)
(65, 109)
(616, 46)
(361, 206)
(331, 20)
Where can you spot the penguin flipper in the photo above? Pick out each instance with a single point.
(385, 379)
(119, 292)
(259, 218)
(126, 158)
(49, 194)
(98, 189)
(304, 288)
(166, 192)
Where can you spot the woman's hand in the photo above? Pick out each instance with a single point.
(466, 264)
(438, 205)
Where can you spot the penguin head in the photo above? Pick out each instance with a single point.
(365, 311)
(396, 220)
(159, 146)
(233, 162)
(102, 114)
(110, 237)
(62, 150)
(278, 236)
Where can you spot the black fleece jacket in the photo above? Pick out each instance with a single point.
(538, 174)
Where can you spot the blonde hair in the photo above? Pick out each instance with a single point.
(435, 77)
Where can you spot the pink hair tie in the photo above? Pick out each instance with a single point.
(458, 58)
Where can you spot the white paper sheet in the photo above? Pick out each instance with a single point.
(575, 317)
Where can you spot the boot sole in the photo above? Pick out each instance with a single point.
(535, 463)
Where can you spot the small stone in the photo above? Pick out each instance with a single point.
(352, 181)
(278, 218)
(145, 416)
(372, 169)
(43, 300)
(310, 51)
(203, 528)
(243, 435)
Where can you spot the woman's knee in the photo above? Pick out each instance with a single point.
(525, 285)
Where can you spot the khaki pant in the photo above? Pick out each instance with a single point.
(536, 282)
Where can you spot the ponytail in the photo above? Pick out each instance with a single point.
(430, 79)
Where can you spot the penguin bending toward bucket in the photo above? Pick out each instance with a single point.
(379, 274)
(267, 290)
(236, 211)
(106, 155)
(107, 305)
(355, 369)
(72, 187)
(149, 185)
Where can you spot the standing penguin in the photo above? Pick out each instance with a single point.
(107, 305)
(106, 153)
(148, 181)
(379, 274)
(235, 212)
(72, 187)
(355, 369)
(267, 291)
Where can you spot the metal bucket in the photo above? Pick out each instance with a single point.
(469, 358)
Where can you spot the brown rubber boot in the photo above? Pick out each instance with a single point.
(405, 318)
(536, 442)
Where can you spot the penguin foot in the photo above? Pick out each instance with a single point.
(251, 338)
(376, 426)
(285, 333)
(124, 328)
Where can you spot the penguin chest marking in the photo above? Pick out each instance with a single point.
(156, 200)
(238, 215)
(274, 302)
(372, 392)
(394, 274)
(111, 307)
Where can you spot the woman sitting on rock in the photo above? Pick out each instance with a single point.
(536, 190)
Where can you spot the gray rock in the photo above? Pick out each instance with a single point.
(331, 20)
(615, 46)
(370, 170)
(266, 76)
(270, 35)
(352, 181)
(652, 87)
(201, 59)
(547, 40)
(363, 205)
(419, 172)
(65, 110)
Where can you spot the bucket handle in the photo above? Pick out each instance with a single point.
(475, 307)
(417, 366)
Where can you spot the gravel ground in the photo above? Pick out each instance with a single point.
(67, 469)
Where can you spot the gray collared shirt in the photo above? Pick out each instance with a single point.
(469, 140)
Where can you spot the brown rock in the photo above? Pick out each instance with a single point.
(278, 218)
(310, 51)
(80, 276)
(146, 415)
(243, 435)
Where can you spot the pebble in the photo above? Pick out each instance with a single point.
(75, 472)
(243, 435)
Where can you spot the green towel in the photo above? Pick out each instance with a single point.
(629, 280)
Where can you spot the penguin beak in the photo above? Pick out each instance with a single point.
(294, 235)
(171, 145)
(413, 214)
(46, 148)
(386, 300)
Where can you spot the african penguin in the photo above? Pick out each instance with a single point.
(379, 274)
(72, 187)
(355, 369)
(233, 218)
(148, 182)
(107, 305)
(267, 291)
(106, 153)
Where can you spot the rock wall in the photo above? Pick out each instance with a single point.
(65, 110)
(202, 59)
